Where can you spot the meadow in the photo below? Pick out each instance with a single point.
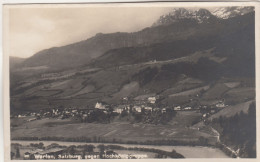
(177, 129)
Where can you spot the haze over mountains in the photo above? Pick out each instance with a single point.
(81, 52)
(182, 50)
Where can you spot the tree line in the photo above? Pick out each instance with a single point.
(239, 131)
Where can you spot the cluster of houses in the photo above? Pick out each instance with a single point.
(136, 106)
(145, 105)
(149, 105)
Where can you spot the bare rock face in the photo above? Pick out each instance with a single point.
(176, 15)
(228, 12)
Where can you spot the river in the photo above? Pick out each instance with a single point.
(186, 151)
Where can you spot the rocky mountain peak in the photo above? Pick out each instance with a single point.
(228, 12)
(178, 14)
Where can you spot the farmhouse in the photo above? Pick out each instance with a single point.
(74, 111)
(164, 110)
(21, 116)
(118, 110)
(26, 156)
(152, 100)
(187, 108)
(137, 108)
(148, 108)
(220, 105)
(99, 105)
(177, 108)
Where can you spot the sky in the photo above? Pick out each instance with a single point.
(32, 29)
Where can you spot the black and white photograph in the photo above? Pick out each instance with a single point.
(130, 81)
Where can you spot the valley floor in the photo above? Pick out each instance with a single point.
(116, 130)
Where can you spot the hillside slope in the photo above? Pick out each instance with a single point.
(161, 60)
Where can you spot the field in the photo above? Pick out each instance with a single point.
(177, 129)
(121, 131)
(240, 94)
(232, 110)
(183, 85)
(215, 92)
(190, 92)
(190, 117)
(227, 112)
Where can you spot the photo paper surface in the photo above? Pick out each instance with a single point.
(130, 81)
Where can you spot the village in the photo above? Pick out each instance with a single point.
(146, 110)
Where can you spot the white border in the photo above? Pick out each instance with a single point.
(5, 73)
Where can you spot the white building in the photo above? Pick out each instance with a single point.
(151, 100)
(187, 108)
(148, 108)
(220, 105)
(118, 110)
(164, 110)
(99, 106)
(21, 116)
(177, 108)
(26, 156)
(137, 108)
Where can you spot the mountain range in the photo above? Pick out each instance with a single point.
(184, 50)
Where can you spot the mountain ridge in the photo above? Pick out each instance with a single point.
(160, 62)
(228, 12)
(83, 52)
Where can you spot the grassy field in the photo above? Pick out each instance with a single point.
(183, 85)
(177, 129)
(126, 90)
(232, 110)
(190, 92)
(241, 94)
(122, 131)
(83, 91)
(227, 112)
(190, 117)
(215, 92)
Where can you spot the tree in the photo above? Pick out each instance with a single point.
(173, 151)
(203, 141)
(71, 150)
(32, 157)
(12, 155)
(252, 110)
(124, 113)
(40, 146)
(101, 150)
(17, 155)
(83, 154)
(89, 148)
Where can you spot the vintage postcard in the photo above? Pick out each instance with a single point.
(131, 81)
